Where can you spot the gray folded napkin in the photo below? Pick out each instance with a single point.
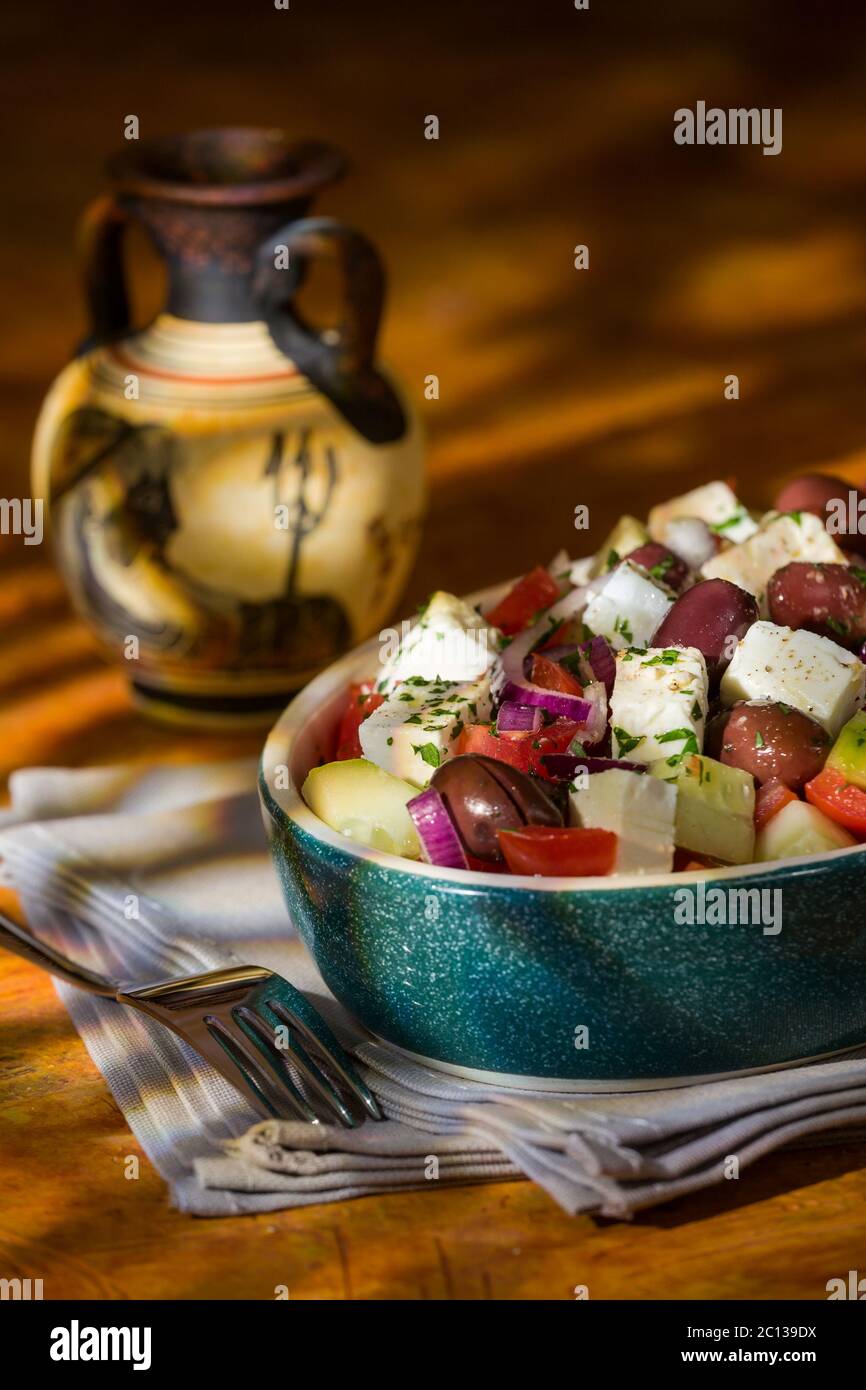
(147, 873)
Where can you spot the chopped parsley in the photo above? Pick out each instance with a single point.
(574, 663)
(840, 628)
(621, 626)
(697, 712)
(729, 521)
(689, 742)
(625, 742)
(658, 571)
(759, 740)
(428, 752)
(612, 559)
(669, 657)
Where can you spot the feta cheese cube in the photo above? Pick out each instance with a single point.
(416, 729)
(641, 810)
(779, 540)
(714, 503)
(628, 608)
(797, 668)
(659, 704)
(450, 641)
(691, 539)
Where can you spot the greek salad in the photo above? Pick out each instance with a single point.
(689, 696)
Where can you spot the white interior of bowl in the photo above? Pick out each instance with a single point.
(303, 737)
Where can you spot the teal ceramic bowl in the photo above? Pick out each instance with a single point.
(566, 984)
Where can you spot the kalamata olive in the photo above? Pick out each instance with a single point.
(828, 599)
(660, 563)
(772, 741)
(556, 792)
(712, 616)
(822, 494)
(484, 795)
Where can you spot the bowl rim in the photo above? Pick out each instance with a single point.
(287, 806)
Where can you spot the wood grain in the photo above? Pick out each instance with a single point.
(557, 387)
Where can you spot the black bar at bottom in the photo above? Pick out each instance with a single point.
(68, 1338)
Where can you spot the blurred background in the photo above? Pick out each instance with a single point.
(557, 386)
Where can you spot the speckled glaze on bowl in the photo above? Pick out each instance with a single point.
(496, 976)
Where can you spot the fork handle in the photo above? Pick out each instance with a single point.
(20, 942)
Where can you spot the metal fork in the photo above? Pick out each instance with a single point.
(253, 1027)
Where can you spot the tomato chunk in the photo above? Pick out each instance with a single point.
(770, 797)
(557, 736)
(361, 702)
(551, 676)
(838, 799)
(514, 748)
(523, 749)
(524, 601)
(558, 851)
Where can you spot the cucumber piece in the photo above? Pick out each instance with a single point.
(715, 808)
(365, 803)
(848, 754)
(627, 535)
(799, 829)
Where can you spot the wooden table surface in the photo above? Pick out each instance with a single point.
(558, 387)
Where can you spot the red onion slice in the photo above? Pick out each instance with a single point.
(595, 726)
(510, 683)
(440, 843)
(601, 660)
(556, 702)
(563, 766)
(515, 718)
